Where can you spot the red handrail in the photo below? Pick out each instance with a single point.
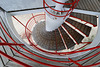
(42, 49)
(20, 52)
(54, 9)
(25, 55)
(75, 62)
(5, 44)
(60, 52)
(78, 60)
(68, 11)
(15, 60)
(34, 18)
(72, 9)
(21, 23)
(56, 60)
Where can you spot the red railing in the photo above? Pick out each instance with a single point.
(71, 61)
(4, 44)
(20, 52)
(73, 5)
(35, 45)
(48, 59)
(13, 59)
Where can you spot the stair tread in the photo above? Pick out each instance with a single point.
(77, 37)
(83, 28)
(89, 5)
(88, 18)
(69, 42)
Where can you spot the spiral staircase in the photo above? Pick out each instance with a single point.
(24, 41)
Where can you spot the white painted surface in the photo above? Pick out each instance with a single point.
(60, 6)
(51, 22)
(42, 10)
(11, 5)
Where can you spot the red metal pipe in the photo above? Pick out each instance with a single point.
(54, 52)
(54, 9)
(75, 62)
(15, 60)
(34, 18)
(68, 12)
(46, 51)
(60, 66)
(51, 59)
(85, 42)
(31, 42)
(27, 56)
(17, 19)
(82, 46)
(5, 44)
(21, 23)
(60, 61)
(20, 46)
(72, 52)
(31, 58)
(50, 13)
(6, 32)
(61, 52)
(21, 53)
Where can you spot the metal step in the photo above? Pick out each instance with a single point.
(87, 18)
(89, 5)
(82, 27)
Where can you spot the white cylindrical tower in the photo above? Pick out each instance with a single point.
(52, 22)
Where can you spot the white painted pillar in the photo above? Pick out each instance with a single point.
(60, 6)
(51, 22)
